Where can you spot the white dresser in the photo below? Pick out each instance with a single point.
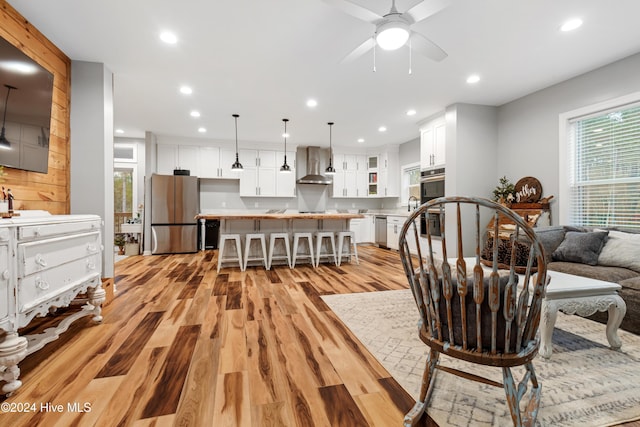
(46, 262)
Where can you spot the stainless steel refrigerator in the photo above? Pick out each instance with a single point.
(175, 202)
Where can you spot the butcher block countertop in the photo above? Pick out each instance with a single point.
(249, 215)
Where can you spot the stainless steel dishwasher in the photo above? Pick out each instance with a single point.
(381, 231)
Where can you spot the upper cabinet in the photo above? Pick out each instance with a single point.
(350, 179)
(432, 143)
(389, 168)
(262, 177)
(215, 162)
(171, 156)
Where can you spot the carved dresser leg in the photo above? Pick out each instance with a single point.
(96, 297)
(12, 350)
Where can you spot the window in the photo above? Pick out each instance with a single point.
(411, 182)
(603, 177)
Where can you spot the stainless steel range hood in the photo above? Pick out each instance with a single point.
(313, 175)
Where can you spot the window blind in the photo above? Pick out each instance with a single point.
(604, 168)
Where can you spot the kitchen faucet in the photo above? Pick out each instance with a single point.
(414, 198)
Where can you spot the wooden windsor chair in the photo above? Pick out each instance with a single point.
(475, 313)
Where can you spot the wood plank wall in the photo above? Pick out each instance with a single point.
(34, 190)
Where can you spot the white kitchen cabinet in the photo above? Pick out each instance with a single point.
(286, 182)
(46, 263)
(215, 162)
(173, 156)
(350, 179)
(394, 225)
(432, 144)
(386, 175)
(260, 173)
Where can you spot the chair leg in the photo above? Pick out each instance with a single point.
(413, 416)
(515, 394)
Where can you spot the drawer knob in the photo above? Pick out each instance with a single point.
(5, 275)
(36, 232)
(42, 284)
(91, 265)
(41, 261)
(91, 247)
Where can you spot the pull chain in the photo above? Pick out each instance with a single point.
(409, 56)
(374, 54)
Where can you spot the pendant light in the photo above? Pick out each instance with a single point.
(285, 168)
(4, 142)
(330, 170)
(237, 166)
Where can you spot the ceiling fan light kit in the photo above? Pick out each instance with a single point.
(392, 34)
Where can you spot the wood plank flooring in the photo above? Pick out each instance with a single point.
(183, 345)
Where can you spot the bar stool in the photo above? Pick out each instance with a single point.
(320, 236)
(247, 247)
(352, 248)
(231, 238)
(272, 242)
(296, 240)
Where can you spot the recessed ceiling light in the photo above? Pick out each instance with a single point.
(411, 112)
(119, 131)
(360, 140)
(382, 129)
(168, 37)
(312, 103)
(474, 78)
(571, 24)
(202, 130)
(186, 90)
(195, 113)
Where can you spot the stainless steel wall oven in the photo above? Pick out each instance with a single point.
(431, 187)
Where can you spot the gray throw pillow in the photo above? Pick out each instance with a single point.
(583, 248)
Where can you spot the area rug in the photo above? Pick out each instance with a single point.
(584, 383)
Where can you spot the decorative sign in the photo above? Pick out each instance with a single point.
(528, 190)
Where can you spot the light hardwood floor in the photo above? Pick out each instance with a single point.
(183, 345)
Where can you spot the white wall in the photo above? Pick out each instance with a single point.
(92, 149)
(528, 134)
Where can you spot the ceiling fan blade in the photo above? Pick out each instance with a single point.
(425, 9)
(426, 47)
(360, 50)
(355, 10)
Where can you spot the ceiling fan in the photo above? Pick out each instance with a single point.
(393, 29)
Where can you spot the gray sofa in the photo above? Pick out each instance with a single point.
(605, 254)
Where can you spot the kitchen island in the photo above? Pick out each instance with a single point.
(291, 222)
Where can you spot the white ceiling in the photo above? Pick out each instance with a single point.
(264, 59)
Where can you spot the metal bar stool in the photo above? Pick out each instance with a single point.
(296, 240)
(272, 242)
(231, 238)
(352, 248)
(320, 236)
(247, 249)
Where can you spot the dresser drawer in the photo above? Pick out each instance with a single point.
(41, 255)
(54, 282)
(27, 232)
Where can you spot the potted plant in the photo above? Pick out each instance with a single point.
(119, 242)
(504, 193)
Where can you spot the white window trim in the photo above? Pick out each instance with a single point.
(563, 170)
(404, 169)
(134, 191)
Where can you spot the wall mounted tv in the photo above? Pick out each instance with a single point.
(26, 93)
